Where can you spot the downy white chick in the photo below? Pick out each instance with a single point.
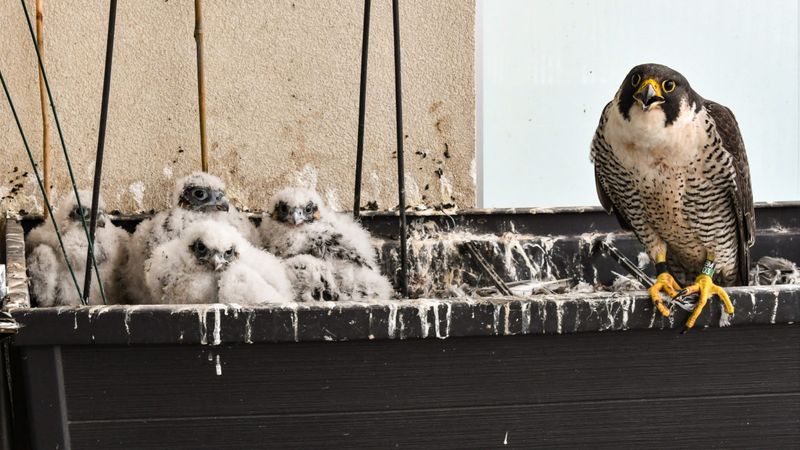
(51, 282)
(312, 277)
(198, 197)
(299, 223)
(213, 263)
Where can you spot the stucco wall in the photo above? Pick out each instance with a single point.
(282, 84)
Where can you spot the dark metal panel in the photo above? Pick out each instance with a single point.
(719, 422)
(21, 439)
(45, 398)
(6, 423)
(159, 382)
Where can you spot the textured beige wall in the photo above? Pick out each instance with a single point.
(282, 80)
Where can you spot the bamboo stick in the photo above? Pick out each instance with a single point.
(201, 82)
(46, 154)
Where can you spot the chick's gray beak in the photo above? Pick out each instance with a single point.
(219, 201)
(298, 216)
(218, 261)
(223, 206)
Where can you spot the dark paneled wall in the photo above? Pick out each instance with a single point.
(731, 387)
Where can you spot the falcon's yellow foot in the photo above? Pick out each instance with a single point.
(705, 287)
(666, 283)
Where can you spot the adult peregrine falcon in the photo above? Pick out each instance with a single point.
(672, 166)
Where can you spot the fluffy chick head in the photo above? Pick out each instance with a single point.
(214, 245)
(296, 206)
(201, 192)
(69, 211)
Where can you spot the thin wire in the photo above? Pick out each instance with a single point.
(398, 99)
(362, 106)
(41, 185)
(101, 143)
(63, 145)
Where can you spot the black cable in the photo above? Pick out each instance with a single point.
(101, 143)
(398, 98)
(362, 106)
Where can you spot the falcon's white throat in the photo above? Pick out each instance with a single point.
(644, 143)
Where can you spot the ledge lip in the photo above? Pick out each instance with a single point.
(217, 324)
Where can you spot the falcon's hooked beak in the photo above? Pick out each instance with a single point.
(298, 216)
(218, 261)
(217, 203)
(649, 94)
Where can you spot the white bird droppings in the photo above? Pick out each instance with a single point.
(392, 328)
(774, 310)
(137, 191)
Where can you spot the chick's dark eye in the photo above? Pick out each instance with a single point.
(309, 208)
(200, 247)
(668, 86)
(283, 208)
(636, 79)
(200, 194)
(229, 253)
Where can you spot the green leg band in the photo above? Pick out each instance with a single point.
(708, 268)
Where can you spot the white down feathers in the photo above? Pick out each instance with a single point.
(338, 260)
(171, 224)
(175, 275)
(327, 257)
(50, 280)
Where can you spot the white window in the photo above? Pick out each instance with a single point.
(546, 69)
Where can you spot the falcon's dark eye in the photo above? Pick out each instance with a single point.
(283, 208)
(228, 254)
(81, 212)
(200, 249)
(309, 208)
(200, 194)
(668, 86)
(636, 79)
